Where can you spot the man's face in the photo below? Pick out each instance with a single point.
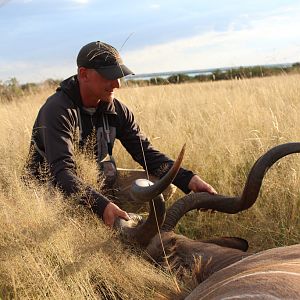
(99, 88)
(102, 87)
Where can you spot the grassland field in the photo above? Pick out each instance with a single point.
(50, 248)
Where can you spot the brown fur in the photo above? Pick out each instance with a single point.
(184, 254)
(223, 272)
(269, 274)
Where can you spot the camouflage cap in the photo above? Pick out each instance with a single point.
(104, 58)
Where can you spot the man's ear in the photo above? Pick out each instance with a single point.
(82, 73)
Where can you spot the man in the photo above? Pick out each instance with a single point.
(84, 104)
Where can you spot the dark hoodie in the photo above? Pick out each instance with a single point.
(62, 124)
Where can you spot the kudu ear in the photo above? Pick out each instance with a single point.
(229, 242)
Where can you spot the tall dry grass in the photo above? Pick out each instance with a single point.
(50, 248)
(227, 125)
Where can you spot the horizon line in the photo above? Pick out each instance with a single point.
(207, 70)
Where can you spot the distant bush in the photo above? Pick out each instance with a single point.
(52, 82)
(158, 81)
(10, 89)
(179, 78)
(296, 65)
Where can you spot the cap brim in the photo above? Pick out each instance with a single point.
(114, 72)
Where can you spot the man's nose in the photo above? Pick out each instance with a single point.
(116, 83)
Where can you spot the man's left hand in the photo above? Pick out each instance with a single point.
(196, 184)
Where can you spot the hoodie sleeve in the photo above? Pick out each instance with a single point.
(57, 128)
(158, 163)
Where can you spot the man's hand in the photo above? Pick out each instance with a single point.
(196, 184)
(111, 212)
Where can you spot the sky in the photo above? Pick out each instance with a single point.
(40, 39)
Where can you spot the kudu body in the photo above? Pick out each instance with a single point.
(221, 266)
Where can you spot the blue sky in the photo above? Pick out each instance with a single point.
(40, 39)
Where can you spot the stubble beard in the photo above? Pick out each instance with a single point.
(108, 99)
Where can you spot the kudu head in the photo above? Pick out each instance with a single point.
(142, 190)
(215, 253)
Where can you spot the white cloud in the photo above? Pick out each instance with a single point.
(264, 40)
(270, 39)
(273, 39)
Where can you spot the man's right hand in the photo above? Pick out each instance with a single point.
(111, 212)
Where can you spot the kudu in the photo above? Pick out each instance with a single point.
(222, 267)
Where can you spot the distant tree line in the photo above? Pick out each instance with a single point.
(229, 74)
(12, 89)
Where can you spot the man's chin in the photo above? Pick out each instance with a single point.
(108, 99)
